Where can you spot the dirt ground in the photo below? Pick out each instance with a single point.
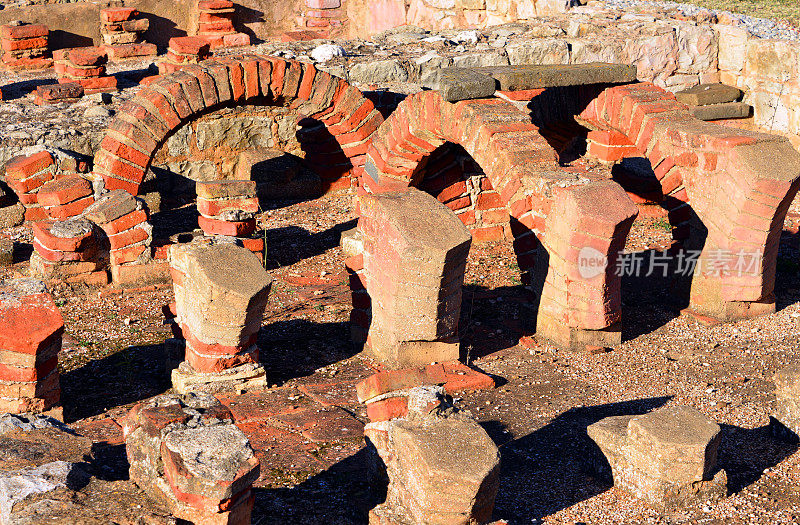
(114, 356)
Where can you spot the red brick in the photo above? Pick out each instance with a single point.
(30, 326)
(125, 222)
(141, 49)
(394, 380)
(487, 234)
(64, 190)
(323, 4)
(20, 168)
(24, 31)
(189, 45)
(126, 255)
(127, 238)
(118, 14)
(56, 92)
(87, 56)
(214, 208)
(212, 5)
(387, 409)
(19, 45)
(41, 231)
(231, 228)
(236, 40)
(488, 201)
(72, 209)
(224, 25)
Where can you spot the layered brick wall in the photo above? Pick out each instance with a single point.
(732, 187)
(339, 114)
(543, 201)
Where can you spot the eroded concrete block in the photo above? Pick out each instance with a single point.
(667, 457)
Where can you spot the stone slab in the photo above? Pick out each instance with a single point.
(707, 94)
(726, 110)
(518, 78)
(456, 84)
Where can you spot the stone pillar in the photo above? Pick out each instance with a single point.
(434, 464)
(667, 457)
(415, 252)
(221, 292)
(30, 339)
(186, 453)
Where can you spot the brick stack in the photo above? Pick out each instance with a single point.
(122, 217)
(413, 461)
(87, 67)
(221, 292)
(30, 339)
(69, 251)
(186, 453)
(215, 24)
(26, 175)
(610, 145)
(228, 208)
(183, 51)
(414, 274)
(54, 93)
(25, 46)
(121, 30)
(65, 197)
(324, 16)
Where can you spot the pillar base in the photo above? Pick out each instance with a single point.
(730, 311)
(570, 337)
(238, 379)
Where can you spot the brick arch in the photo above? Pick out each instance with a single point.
(328, 103)
(735, 185)
(554, 213)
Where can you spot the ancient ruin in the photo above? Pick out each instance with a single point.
(399, 262)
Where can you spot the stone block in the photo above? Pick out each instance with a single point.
(667, 457)
(461, 84)
(708, 94)
(728, 110)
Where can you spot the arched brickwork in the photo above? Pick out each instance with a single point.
(563, 211)
(738, 185)
(342, 117)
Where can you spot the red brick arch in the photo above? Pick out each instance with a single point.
(145, 122)
(547, 204)
(739, 185)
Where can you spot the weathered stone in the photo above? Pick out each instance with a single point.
(434, 464)
(667, 457)
(16, 486)
(727, 110)
(707, 94)
(378, 71)
(352, 242)
(12, 215)
(538, 51)
(732, 47)
(787, 406)
(514, 78)
(461, 84)
(111, 206)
